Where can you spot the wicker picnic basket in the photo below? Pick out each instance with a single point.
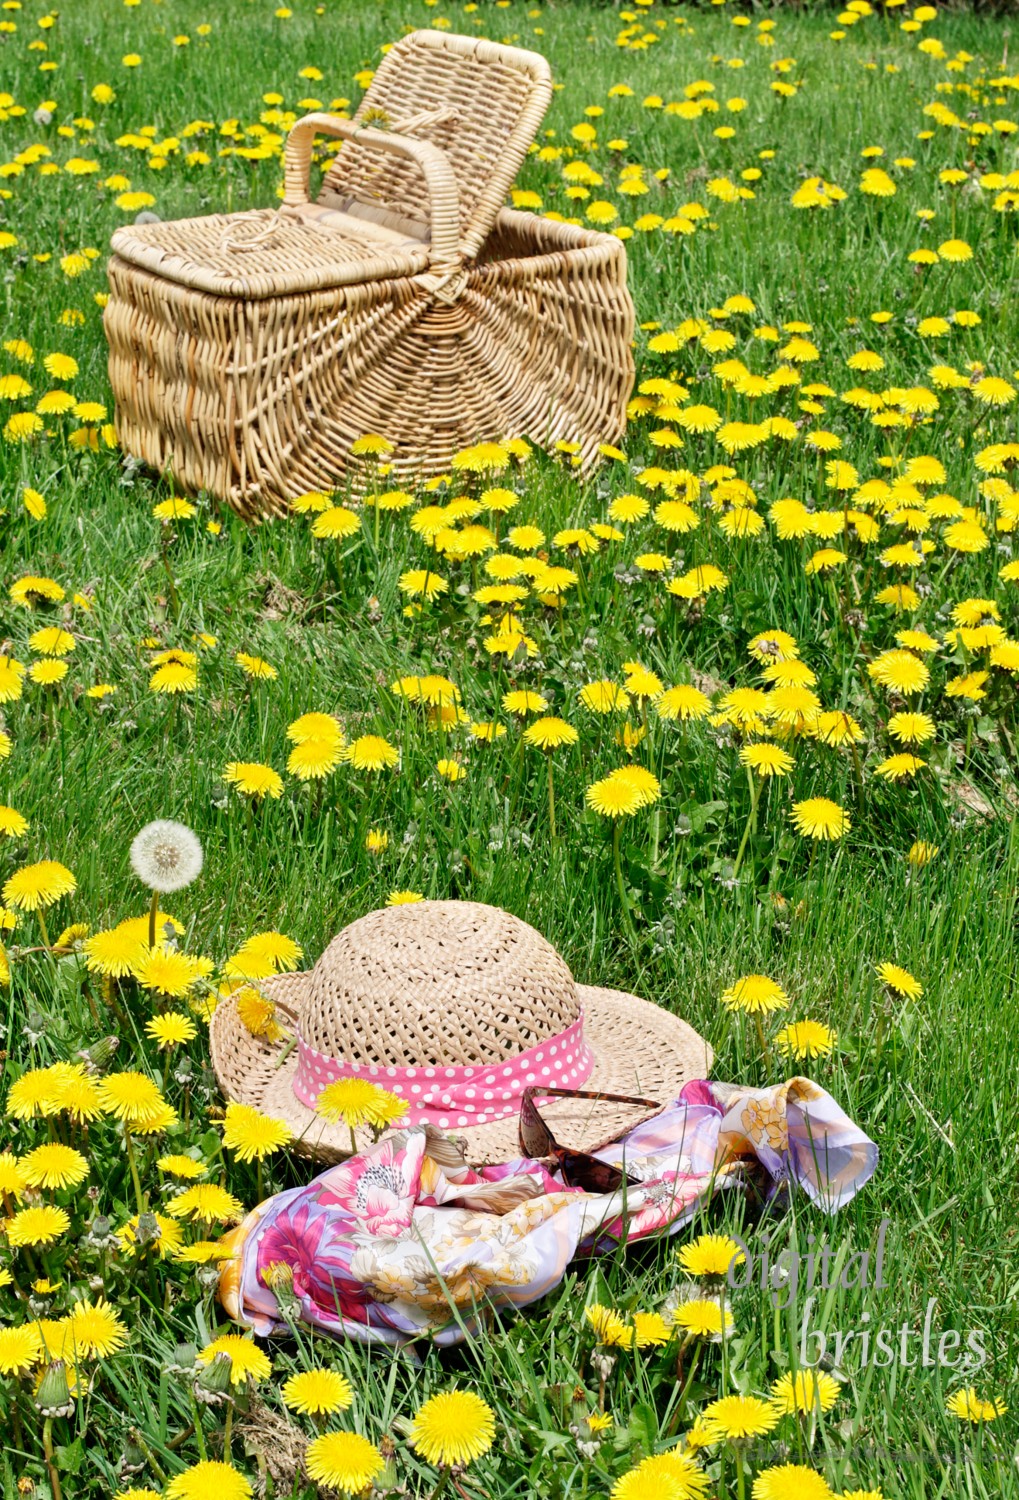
(248, 351)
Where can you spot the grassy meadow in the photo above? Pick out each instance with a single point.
(790, 595)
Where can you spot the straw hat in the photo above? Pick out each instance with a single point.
(455, 1006)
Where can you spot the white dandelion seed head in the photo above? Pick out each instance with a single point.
(166, 856)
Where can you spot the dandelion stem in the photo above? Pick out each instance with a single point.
(857, 770)
(150, 1457)
(755, 796)
(291, 1044)
(174, 599)
(620, 882)
(228, 1431)
(18, 1430)
(153, 913)
(44, 930)
(129, 1151)
(182, 1437)
(762, 1038)
(51, 1468)
(551, 800)
(199, 1431)
(689, 1377)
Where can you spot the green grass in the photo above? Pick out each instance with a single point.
(933, 1082)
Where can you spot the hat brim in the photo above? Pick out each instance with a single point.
(639, 1049)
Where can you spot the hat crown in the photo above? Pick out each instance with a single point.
(444, 983)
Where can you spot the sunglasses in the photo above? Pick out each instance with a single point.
(580, 1169)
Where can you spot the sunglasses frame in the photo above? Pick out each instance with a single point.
(574, 1164)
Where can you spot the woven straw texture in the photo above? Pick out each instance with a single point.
(249, 351)
(453, 983)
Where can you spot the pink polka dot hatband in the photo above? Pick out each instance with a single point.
(453, 1097)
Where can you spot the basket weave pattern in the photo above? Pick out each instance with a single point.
(451, 983)
(248, 351)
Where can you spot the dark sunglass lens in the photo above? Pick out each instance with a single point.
(589, 1174)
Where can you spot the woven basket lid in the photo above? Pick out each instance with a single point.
(452, 983)
(498, 95)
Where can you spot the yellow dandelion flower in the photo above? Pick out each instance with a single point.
(314, 758)
(30, 1227)
(550, 733)
(702, 1318)
(255, 667)
(95, 1330)
(664, 1476)
(805, 1039)
(257, 1013)
(247, 1360)
(899, 767)
(167, 1240)
(820, 818)
(710, 1256)
(921, 853)
(251, 1135)
(184, 1167)
(174, 677)
(900, 980)
(613, 797)
(604, 697)
(171, 1029)
(370, 752)
(253, 779)
(650, 1330)
(358, 1102)
(738, 1418)
(969, 1407)
(318, 1392)
(756, 994)
(782, 1481)
(453, 1428)
(683, 702)
(805, 1391)
(343, 1461)
(207, 1202)
(13, 825)
(20, 1348)
(766, 759)
(115, 952)
(209, 1480)
(37, 886)
(167, 972)
(131, 1097)
(54, 1166)
(609, 1326)
(264, 954)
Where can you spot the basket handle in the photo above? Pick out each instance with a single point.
(445, 256)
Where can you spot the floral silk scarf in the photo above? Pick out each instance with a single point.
(390, 1245)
